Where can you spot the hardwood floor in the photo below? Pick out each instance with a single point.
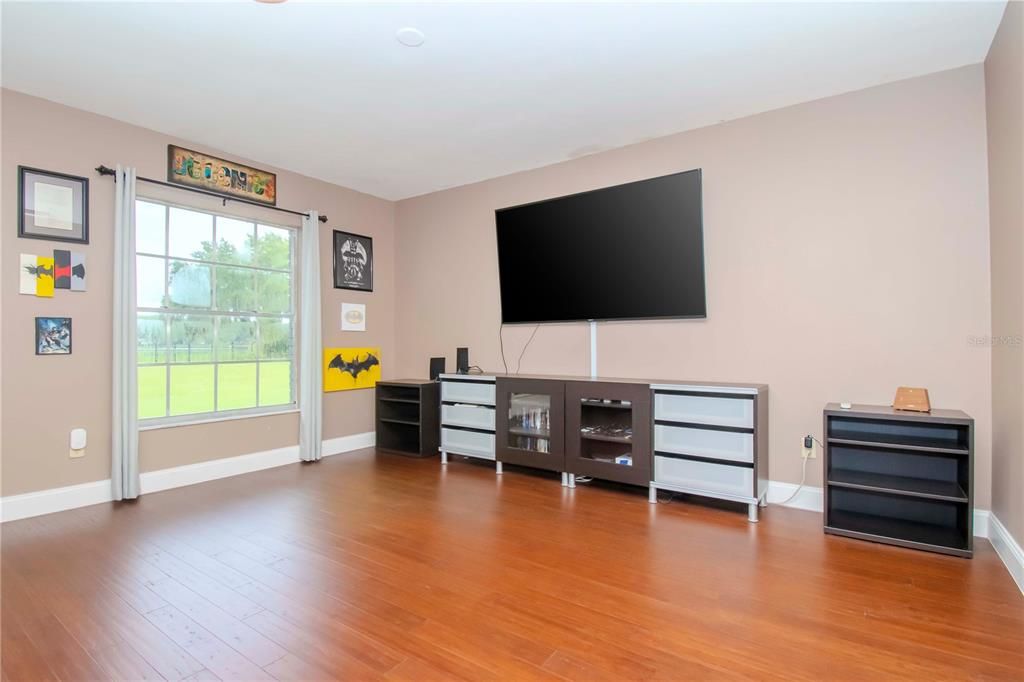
(374, 566)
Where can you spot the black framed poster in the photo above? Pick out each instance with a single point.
(53, 206)
(353, 261)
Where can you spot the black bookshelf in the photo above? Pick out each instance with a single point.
(900, 478)
(408, 414)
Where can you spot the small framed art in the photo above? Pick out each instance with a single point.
(53, 336)
(53, 206)
(353, 317)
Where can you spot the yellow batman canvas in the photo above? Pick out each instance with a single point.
(348, 368)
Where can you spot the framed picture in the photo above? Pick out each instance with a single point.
(219, 176)
(53, 336)
(53, 206)
(353, 317)
(349, 368)
(353, 261)
(40, 275)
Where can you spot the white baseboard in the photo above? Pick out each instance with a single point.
(1007, 549)
(809, 498)
(211, 470)
(15, 507)
(982, 524)
(336, 446)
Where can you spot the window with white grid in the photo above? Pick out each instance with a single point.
(215, 314)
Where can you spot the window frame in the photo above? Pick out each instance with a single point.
(169, 420)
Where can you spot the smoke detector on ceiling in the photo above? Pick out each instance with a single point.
(410, 37)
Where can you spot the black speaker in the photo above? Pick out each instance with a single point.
(436, 368)
(462, 360)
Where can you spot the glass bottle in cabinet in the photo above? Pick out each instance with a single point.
(529, 422)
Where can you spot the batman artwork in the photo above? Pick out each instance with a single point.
(355, 367)
(39, 271)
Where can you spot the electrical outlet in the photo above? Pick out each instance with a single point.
(809, 448)
(79, 439)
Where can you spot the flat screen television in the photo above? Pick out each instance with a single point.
(629, 252)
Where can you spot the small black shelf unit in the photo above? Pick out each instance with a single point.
(408, 416)
(901, 478)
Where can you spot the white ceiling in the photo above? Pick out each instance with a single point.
(325, 89)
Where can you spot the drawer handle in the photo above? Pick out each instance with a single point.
(704, 427)
(707, 460)
(468, 428)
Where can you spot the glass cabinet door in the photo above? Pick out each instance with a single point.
(608, 431)
(530, 422)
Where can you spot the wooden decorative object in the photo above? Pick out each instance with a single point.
(219, 176)
(912, 399)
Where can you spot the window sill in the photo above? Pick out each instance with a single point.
(189, 420)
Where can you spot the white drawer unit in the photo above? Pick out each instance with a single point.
(707, 441)
(720, 480)
(695, 409)
(466, 442)
(712, 441)
(467, 417)
(463, 390)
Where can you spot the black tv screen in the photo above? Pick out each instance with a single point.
(634, 251)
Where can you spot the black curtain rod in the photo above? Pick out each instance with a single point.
(103, 170)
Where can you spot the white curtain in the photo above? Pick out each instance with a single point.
(310, 360)
(125, 433)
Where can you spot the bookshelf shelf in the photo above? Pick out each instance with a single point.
(900, 478)
(407, 417)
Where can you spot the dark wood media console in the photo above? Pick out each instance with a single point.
(698, 438)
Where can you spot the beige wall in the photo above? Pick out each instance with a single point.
(44, 398)
(847, 254)
(1004, 89)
